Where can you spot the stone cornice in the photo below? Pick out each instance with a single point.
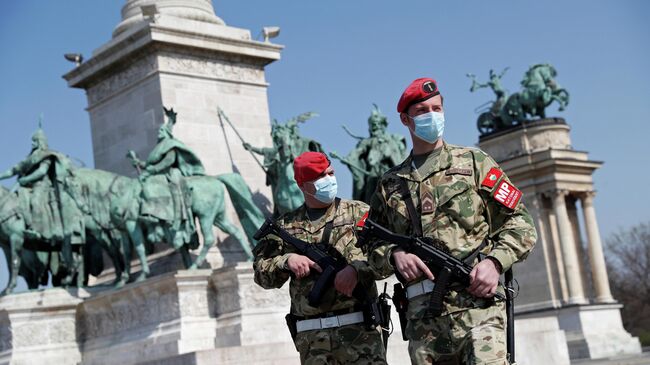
(126, 47)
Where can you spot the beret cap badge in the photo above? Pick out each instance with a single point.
(429, 87)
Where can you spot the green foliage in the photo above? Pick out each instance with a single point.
(644, 337)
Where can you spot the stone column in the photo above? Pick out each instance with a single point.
(598, 268)
(571, 264)
(583, 258)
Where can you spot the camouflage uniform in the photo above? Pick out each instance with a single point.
(470, 330)
(350, 344)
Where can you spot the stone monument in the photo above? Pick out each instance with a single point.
(175, 53)
(179, 54)
(565, 294)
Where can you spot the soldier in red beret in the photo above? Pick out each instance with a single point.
(460, 196)
(332, 332)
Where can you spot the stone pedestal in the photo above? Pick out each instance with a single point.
(596, 331)
(39, 328)
(182, 317)
(560, 299)
(539, 340)
(163, 316)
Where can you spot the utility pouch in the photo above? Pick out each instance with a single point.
(401, 306)
(384, 319)
(291, 323)
(371, 315)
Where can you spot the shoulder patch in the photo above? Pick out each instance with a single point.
(492, 177)
(362, 222)
(507, 194)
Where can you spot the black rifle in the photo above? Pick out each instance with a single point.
(433, 253)
(447, 268)
(331, 261)
(326, 256)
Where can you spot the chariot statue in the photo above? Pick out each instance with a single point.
(539, 90)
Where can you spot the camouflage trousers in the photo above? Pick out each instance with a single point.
(473, 336)
(351, 344)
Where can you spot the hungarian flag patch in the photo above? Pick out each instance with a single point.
(507, 195)
(492, 177)
(362, 222)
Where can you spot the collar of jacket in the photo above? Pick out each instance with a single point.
(409, 172)
(300, 219)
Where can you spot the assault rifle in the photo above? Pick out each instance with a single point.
(326, 256)
(432, 252)
(447, 270)
(376, 312)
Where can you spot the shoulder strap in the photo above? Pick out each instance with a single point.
(330, 224)
(414, 217)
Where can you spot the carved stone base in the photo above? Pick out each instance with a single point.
(596, 331)
(206, 315)
(539, 340)
(161, 317)
(39, 328)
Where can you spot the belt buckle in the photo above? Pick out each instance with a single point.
(329, 322)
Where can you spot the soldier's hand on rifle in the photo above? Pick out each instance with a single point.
(346, 280)
(301, 265)
(484, 279)
(247, 146)
(410, 266)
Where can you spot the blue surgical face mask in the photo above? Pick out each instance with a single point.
(325, 189)
(429, 126)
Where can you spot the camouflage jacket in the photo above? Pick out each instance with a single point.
(271, 256)
(460, 208)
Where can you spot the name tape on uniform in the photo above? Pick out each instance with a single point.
(507, 194)
(492, 177)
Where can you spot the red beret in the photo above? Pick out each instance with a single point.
(419, 90)
(309, 166)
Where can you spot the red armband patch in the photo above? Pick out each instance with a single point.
(362, 221)
(492, 177)
(507, 195)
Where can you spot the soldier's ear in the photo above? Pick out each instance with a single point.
(404, 118)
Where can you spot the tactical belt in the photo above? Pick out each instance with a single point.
(417, 289)
(329, 322)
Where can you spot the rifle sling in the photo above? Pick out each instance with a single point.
(416, 221)
(327, 232)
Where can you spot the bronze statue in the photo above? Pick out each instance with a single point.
(49, 213)
(103, 210)
(539, 90)
(373, 155)
(278, 162)
(170, 160)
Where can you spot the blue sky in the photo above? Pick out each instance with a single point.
(341, 56)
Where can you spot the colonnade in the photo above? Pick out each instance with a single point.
(571, 250)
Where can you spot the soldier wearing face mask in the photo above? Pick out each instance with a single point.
(460, 196)
(332, 332)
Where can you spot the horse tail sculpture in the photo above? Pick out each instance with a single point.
(249, 214)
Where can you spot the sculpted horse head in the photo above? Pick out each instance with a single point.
(539, 76)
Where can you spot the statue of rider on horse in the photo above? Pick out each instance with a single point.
(539, 90)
